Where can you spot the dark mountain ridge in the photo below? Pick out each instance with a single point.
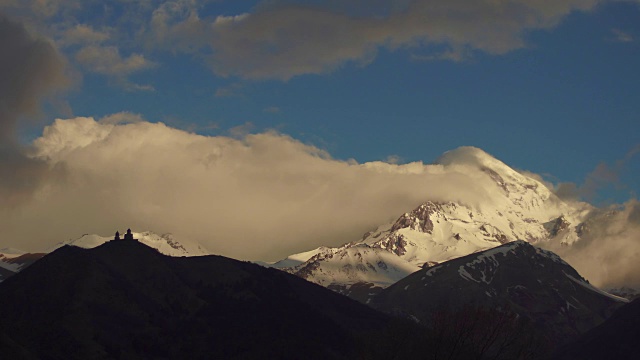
(517, 278)
(126, 300)
(616, 338)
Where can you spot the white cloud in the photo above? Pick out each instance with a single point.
(393, 159)
(272, 110)
(49, 8)
(107, 60)
(609, 252)
(231, 90)
(177, 25)
(261, 196)
(83, 34)
(621, 36)
(124, 117)
(241, 131)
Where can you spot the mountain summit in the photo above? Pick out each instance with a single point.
(519, 207)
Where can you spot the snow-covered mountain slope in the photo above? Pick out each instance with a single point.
(295, 259)
(519, 207)
(355, 264)
(165, 243)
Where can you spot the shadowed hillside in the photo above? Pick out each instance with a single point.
(126, 300)
(516, 278)
(616, 338)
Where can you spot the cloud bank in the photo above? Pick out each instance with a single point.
(608, 254)
(256, 196)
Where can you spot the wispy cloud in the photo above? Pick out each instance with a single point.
(81, 35)
(604, 175)
(241, 131)
(107, 60)
(393, 159)
(124, 117)
(286, 40)
(93, 48)
(455, 55)
(621, 36)
(272, 110)
(282, 39)
(231, 90)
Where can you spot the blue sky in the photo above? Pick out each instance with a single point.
(559, 103)
(545, 86)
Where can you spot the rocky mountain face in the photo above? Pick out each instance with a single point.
(515, 278)
(13, 261)
(520, 208)
(123, 299)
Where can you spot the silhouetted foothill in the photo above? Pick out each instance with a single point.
(616, 338)
(124, 299)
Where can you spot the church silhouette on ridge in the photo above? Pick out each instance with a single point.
(127, 236)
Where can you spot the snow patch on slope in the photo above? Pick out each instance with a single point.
(295, 259)
(595, 289)
(355, 264)
(165, 243)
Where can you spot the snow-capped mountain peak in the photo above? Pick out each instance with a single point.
(520, 208)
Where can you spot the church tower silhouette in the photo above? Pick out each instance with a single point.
(127, 236)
